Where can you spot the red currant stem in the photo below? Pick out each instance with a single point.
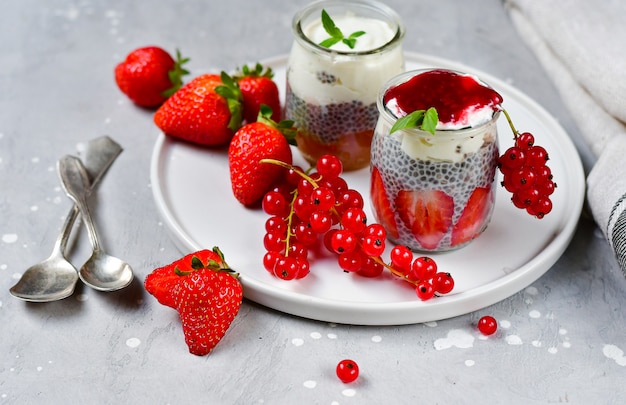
(393, 271)
(288, 166)
(510, 121)
(290, 221)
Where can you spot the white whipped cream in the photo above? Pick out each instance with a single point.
(356, 77)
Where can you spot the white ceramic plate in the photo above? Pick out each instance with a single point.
(192, 192)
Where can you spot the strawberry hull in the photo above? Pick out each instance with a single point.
(436, 204)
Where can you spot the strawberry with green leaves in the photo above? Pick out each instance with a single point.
(205, 291)
(257, 88)
(263, 139)
(149, 75)
(205, 111)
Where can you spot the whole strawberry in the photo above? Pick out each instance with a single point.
(149, 75)
(257, 88)
(206, 111)
(264, 139)
(206, 293)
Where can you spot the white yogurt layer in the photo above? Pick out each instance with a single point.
(441, 147)
(357, 77)
(377, 32)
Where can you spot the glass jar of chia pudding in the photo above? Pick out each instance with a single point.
(332, 89)
(435, 191)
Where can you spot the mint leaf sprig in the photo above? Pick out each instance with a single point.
(426, 120)
(335, 33)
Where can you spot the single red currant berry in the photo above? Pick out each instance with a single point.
(329, 166)
(443, 282)
(425, 290)
(537, 156)
(349, 198)
(376, 230)
(512, 158)
(523, 178)
(275, 203)
(350, 261)
(294, 175)
(373, 246)
(322, 199)
(302, 207)
(401, 258)
(305, 235)
(274, 242)
(370, 266)
(487, 325)
(525, 140)
(347, 370)
(541, 207)
(423, 268)
(354, 219)
(337, 184)
(286, 268)
(270, 259)
(303, 267)
(276, 224)
(343, 241)
(320, 221)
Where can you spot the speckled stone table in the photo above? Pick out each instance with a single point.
(560, 340)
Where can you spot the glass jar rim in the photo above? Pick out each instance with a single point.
(372, 5)
(440, 133)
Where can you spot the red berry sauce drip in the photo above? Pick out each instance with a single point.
(450, 93)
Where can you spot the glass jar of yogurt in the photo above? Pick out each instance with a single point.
(435, 191)
(332, 91)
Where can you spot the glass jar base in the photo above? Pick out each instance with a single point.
(352, 149)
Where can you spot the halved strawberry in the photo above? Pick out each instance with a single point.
(381, 204)
(472, 220)
(427, 213)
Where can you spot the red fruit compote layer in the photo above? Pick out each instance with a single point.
(435, 192)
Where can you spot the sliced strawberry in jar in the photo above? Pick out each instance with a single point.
(381, 204)
(427, 213)
(473, 219)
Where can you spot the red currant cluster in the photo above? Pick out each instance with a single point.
(318, 207)
(526, 174)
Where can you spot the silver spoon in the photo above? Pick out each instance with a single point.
(55, 278)
(101, 271)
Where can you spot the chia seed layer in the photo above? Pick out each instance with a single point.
(328, 122)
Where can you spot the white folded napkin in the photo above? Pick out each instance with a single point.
(582, 46)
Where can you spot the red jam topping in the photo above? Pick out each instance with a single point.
(453, 95)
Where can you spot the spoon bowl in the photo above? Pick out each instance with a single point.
(101, 271)
(52, 279)
(104, 272)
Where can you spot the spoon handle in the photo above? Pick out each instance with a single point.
(75, 182)
(99, 156)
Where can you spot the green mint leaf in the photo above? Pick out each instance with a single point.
(425, 120)
(327, 43)
(356, 34)
(431, 118)
(350, 42)
(329, 26)
(412, 120)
